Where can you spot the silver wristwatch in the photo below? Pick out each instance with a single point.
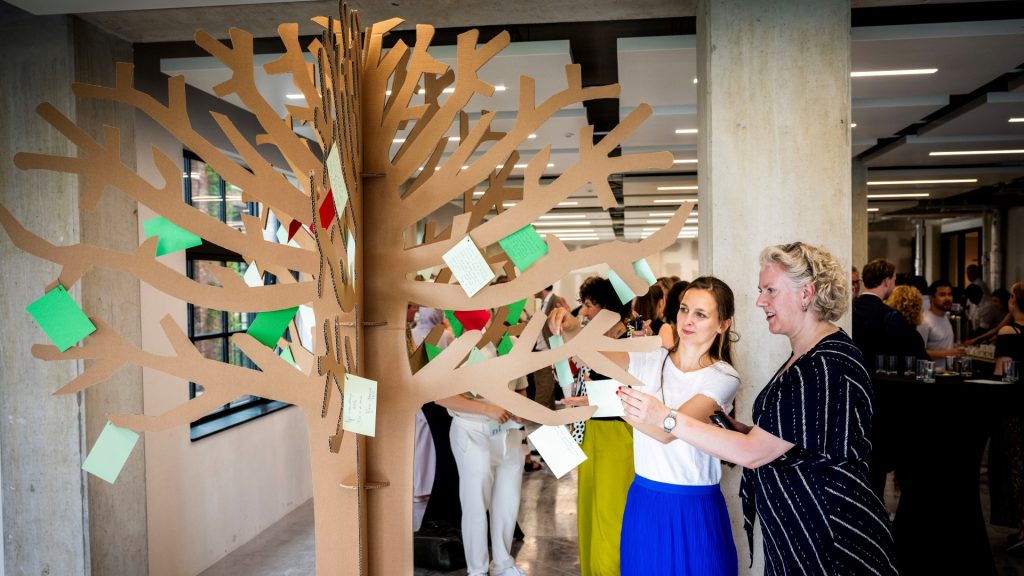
(670, 421)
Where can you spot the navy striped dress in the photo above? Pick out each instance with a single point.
(818, 513)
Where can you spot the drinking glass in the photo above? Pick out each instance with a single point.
(909, 365)
(880, 364)
(1010, 371)
(965, 366)
(926, 370)
(892, 365)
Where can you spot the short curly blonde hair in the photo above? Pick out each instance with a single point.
(908, 302)
(805, 264)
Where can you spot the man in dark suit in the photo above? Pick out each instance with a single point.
(875, 325)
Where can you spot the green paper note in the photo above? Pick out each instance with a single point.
(432, 351)
(360, 414)
(269, 326)
(562, 370)
(457, 328)
(515, 312)
(625, 294)
(61, 318)
(172, 237)
(287, 355)
(110, 452)
(505, 346)
(643, 270)
(524, 246)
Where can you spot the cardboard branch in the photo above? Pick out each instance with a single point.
(174, 119)
(101, 166)
(555, 264)
(185, 413)
(78, 259)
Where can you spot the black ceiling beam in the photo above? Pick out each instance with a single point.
(937, 13)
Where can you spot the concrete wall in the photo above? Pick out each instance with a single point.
(1013, 247)
(42, 438)
(209, 497)
(895, 243)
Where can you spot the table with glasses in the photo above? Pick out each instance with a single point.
(935, 435)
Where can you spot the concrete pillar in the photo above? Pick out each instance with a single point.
(58, 520)
(859, 214)
(774, 108)
(117, 513)
(42, 438)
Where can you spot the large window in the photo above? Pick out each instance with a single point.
(210, 330)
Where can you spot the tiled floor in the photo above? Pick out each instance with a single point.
(547, 516)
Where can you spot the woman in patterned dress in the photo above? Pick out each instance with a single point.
(807, 454)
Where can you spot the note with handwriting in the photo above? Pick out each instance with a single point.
(524, 246)
(557, 448)
(602, 393)
(360, 406)
(624, 292)
(468, 266)
(339, 190)
(110, 452)
(173, 238)
(61, 319)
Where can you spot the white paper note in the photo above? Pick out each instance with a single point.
(253, 277)
(602, 394)
(339, 190)
(360, 405)
(557, 448)
(468, 266)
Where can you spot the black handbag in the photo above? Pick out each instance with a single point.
(438, 546)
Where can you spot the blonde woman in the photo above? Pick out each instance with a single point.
(910, 304)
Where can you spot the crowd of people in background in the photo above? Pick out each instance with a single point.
(648, 496)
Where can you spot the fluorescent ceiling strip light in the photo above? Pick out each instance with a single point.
(550, 165)
(649, 229)
(398, 140)
(661, 214)
(667, 188)
(507, 204)
(872, 209)
(913, 72)
(532, 136)
(568, 203)
(899, 182)
(907, 195)
(564, 223)
(973, 152)
(454, 138)
(686, 130)
(1016, 119)
(563, 216)
(657, 221)
(854, 125)
(295, 96)
(673, 200)
(690, 221)
(685, 161)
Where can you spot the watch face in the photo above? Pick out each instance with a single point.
(670, 423)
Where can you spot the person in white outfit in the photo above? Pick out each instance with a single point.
(487, 444)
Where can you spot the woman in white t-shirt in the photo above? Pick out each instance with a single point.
(676, 521)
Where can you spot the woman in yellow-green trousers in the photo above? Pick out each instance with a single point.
(605, 476)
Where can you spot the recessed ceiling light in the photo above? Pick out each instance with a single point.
(907, 195)
(563, 216)
(694, 80)
(686, 130)
(913, 72)
(685, 161)
(973, 152)
(854, 125)
(499, 88)
(872, 209)
(532, 136)
(1016, 119)
(569, 203)
(295, 96)
(666, 188)
(900, 182)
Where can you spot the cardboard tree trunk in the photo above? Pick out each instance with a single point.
(355, 255)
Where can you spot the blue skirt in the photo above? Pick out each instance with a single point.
(675, 530)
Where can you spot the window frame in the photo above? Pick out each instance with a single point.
(227, 416)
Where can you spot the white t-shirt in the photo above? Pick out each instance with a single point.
(678, 462)
(936, 331)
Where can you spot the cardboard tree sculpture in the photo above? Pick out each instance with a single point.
(355, 255)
